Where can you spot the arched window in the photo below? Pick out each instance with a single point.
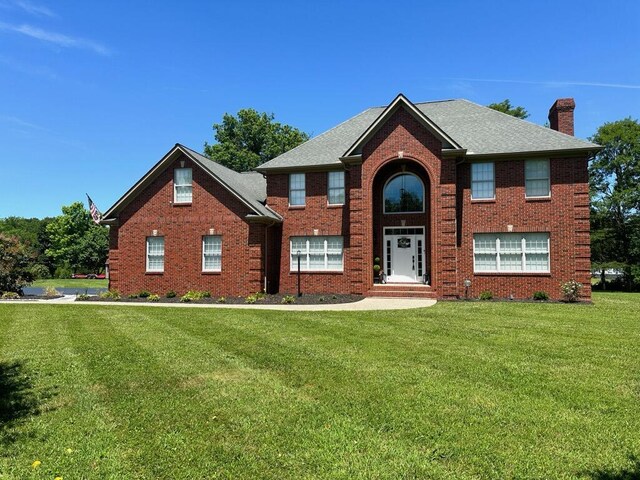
(404, 193)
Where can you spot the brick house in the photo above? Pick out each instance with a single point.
(453, 198)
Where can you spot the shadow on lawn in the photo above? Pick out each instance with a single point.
(18, 399)
(629, 473)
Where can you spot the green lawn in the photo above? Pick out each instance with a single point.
(79, 283)
(459, 390)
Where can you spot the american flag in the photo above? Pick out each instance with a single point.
(95, 213)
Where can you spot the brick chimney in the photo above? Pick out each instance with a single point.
(561, 115)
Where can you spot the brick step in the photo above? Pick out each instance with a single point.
(399, 290)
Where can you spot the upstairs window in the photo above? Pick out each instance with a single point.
(483, 181)
(182, 185)
(296, 189)
(404, 193)
(212, 253)
(536, 178)
(155, 254)
(335, 192)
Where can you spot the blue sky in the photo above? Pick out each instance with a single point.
(92, 94)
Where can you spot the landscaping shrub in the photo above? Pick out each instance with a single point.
(221, 300)
(62, 272)
(51, 292)
(110, 295)
(486, 295)
(171, 294)
(541, 295)
(289, 299)
(132, 295)
(250, 298)
(571, 290)
(153, 297)
(192, 295)
(144, 294)
(82, 296)
(10, 296)
(40, 271)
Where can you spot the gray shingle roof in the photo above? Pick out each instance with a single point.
(480, 130)
(250, 186)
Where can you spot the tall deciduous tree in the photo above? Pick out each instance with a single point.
(615, 197)
(76, 241)
(250, 139)
(506, 107)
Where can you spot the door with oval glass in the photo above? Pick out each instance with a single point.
(404, 254)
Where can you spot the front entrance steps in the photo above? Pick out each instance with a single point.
(401, 290)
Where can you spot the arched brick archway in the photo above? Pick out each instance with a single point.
(402, 239)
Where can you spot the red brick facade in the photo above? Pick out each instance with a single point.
(183, 227)
(255, 255)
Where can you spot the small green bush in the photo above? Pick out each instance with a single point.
(10, 296)
(132, 295)
(288, 299)
(51, 292)
(250, 298)
(221, 300)
(260, 295)
(171, 294)
(192, 295)
(153, 297)
(541, 295)
(110, 295)
(486, 295)
(40, 271)
(571, 290)
(144, 294)
(82, 296)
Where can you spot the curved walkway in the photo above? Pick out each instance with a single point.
(368, 303)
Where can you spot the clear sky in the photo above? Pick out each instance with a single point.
(92, 94)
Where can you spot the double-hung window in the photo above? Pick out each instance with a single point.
(296, 189)
(212, 253)
(317, 253)
(155, 254)
(536, 178)
(182, 185)
(511, 252)
(335, 181)
(483, 181)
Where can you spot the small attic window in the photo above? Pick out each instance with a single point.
(182, 185)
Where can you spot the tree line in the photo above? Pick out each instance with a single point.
(33, 248)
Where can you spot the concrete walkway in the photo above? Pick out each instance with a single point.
(369, 303)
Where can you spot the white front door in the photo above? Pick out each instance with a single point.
(404, 254)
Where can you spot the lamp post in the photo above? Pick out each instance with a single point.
(467, 285)
(299, 292)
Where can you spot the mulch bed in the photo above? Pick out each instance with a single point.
(32, 297)
(267, 300)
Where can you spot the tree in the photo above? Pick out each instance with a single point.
(15, 261)
(32, 234)
(614, 176)
(506, 107)
(250, 139)
(77, 242)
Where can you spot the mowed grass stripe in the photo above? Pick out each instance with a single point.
(456, 391)
(64, 396)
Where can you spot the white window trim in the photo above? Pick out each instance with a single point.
(384, 204)
(304, 190)
(176, 185)
(344, 191)
(547, 178)
(148, 269)
(304, 256)
(203, 255)
(493, 180)
(524, 254)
